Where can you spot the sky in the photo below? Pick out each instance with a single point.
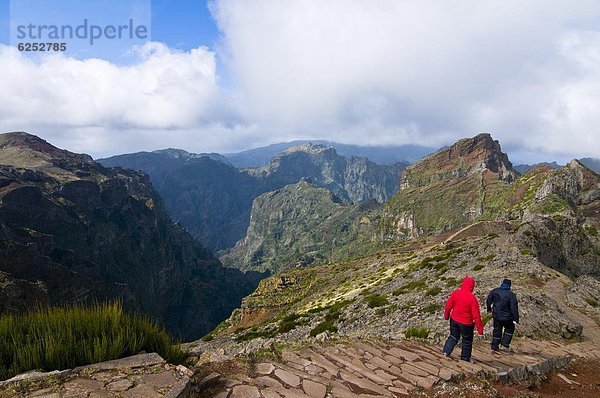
(227, 75)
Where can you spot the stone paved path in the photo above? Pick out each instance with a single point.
(377, 369)
(139, 376)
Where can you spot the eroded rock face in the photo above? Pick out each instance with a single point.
(467, 156)
(72, 230)
(449, 189)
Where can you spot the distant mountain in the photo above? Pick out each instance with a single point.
(523, 168)
(592, 163)
(213, 199)
(158, 164)
(299, 225)
(385, 155)
(72, 231)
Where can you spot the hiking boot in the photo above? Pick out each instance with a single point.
(505, 349)
(470, 360)
(495, 349)
(446, 355)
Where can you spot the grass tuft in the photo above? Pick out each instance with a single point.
(478, 267)
(63, 338)
(433, 291)
(431, 308)
(416, 332)
(376, 300)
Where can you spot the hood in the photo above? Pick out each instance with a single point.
(468, 284)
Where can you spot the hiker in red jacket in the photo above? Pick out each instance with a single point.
(462, 308)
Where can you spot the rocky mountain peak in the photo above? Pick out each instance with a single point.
(309, 148)
(465, 157)
(575, 183)
(174, 153)
(180, 156)
(24, 150)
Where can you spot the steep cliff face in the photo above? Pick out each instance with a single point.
(299, 225)
(561, 226)
(449, 189)
(213, 200)
(354, 179)
(466, 157)
(72, 230)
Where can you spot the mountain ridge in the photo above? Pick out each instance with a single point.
(213, 199)
(73, 231)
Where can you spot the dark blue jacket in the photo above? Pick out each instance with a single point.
(503, 304)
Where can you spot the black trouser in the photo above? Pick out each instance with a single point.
(502, 338)
(458, 330)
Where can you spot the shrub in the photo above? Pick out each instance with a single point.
(418, 284)
(592, 302)
(431, 309)
(486, 318)
(593, 231)
(376, 300)
(433, 291)
(489, 257)
(288, 323)
(325, 326)
(332, 315)
(527, 252)
(451, 282)
(255, 334)
(63, 338)
(416, 332)
(478, 267)
(463, 264)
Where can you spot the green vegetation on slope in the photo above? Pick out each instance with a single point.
(302, 225)
(63, 338)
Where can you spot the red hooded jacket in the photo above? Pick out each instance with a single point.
(464, 306)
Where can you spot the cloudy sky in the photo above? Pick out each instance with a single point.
(234, 74)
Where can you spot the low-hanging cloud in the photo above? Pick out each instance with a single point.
(428, 71)
(356, 71)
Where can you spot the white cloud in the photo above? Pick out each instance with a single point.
(431, 71)
(164, 89)
(358, 71)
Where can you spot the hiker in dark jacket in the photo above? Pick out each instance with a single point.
(462, 309)
(503, 305)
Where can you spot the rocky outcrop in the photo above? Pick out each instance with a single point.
(73, 231)
(466, 157)
(574, 183)
(142, 375)
(561, 224)
(450, 189)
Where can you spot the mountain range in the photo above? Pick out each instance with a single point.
(463, 211)
(384, 155)
(74, 231)
(347, 239)
(213, 199)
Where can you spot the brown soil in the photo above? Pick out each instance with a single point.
(582, 371)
